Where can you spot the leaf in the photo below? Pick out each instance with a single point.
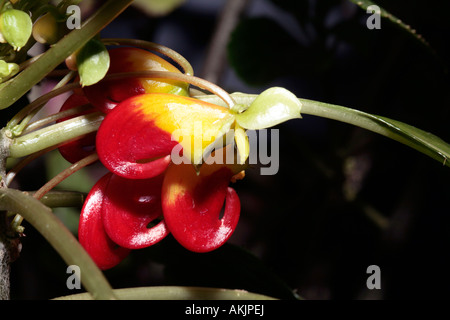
(92, 62)
(271, 107)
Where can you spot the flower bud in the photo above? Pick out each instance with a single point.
(45, 29)
(15, 27)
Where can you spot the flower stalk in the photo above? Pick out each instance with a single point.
(55, 134)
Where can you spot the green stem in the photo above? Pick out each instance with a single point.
(56, 199)
(86, 108)
(55, 134)
(62, 240)
(17, 127)
(65, 174)
(12, 90)
(413, 137)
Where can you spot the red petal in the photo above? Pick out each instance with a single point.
(128, 208)
(130, 145)
(78, 149)
(192, 205)
(135, 139)
(92, 236)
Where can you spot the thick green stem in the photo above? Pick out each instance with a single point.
(12, 90)
(55, 134)
(62, 240)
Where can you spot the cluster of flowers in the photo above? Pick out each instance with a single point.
(146, 196)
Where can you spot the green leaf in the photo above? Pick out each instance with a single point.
(92, 62)
(271, 107)
(15, 27)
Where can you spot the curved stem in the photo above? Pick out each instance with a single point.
(172, 54)
(55, 181)
(19, 129)
(39, 102)
(199, 82)
(65, 174)
(22, 164)
(61, 239)
(57, 116)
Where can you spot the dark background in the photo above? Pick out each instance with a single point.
(344, 198)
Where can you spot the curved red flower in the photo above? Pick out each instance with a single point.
(118, 212)
(192, 204)
(148, 194)
(129, 208)
(106, 94)
(91, 233)
(135, 139)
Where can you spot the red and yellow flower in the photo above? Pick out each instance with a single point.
(147, 194)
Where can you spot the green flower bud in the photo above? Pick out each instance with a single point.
(45, 29)
(92, 62)
(15, 27)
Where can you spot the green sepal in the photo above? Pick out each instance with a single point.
(271, 107)
(92, 62)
